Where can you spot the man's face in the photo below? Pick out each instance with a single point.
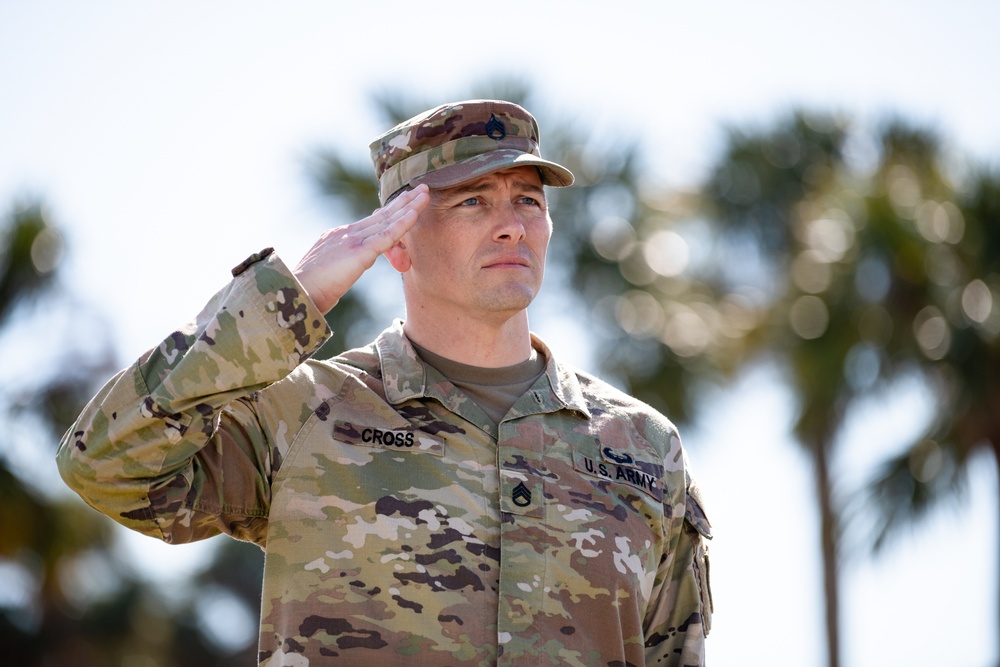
(479, 248)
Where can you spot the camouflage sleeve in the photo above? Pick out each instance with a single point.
(172, 446)
(680, 617)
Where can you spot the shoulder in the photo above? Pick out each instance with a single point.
(609, 404)
(602, 396)
(360, 364)
(324, 379)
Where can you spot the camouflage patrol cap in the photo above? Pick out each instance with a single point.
(459, 142)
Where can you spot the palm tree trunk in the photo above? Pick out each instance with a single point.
(828, 538)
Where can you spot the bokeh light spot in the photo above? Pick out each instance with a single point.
(862, 366)
(685, 332)
(940, 223)
(830, 237)
(667, 253)
(932, 333)
(872, 279)
(47, 250)
(942, 265)
(810, 273)
(639, 314)
(904, 191)
(926, 461)
(613, 238)
(977, 301)
(809, 317)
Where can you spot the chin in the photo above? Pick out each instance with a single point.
(508, 300)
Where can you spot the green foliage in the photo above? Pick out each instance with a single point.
(68, 599)
(851, 274)
(763, 175)
(878, 273)
(29, 250)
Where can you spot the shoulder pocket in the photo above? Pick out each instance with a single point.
(694, 511)
(694, 516)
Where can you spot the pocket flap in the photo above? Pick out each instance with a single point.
(694, 511)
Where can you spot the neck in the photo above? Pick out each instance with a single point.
(492, 343)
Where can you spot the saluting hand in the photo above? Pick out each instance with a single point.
(342, 254)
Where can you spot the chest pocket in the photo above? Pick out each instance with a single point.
(622, 469)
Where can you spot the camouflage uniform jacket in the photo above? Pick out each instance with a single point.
(400, 525)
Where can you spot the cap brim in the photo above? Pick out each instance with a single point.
(486, 163)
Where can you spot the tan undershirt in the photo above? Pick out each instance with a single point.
(495, 390)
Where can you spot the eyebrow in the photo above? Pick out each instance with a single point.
(485, 186)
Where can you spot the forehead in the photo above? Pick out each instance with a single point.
(515, 176)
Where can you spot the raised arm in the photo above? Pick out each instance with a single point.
(173, 446)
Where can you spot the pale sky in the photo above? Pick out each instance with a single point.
(170, 138)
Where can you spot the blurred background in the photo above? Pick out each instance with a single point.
(785, 235)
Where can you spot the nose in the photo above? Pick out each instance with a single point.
(508, 226)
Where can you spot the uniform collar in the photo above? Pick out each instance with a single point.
(405, 376)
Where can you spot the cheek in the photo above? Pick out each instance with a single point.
(436, 251)
(541, 235)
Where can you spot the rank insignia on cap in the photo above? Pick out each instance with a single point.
(521, 495)
(495, 129)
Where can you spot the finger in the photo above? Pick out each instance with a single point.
(406, 197)
(391, 212)
(379, 238)
(396, 222)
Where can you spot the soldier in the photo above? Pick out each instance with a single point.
(451, 494)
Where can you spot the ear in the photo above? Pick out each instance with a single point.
(398, 257)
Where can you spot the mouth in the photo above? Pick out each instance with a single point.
(507, 262)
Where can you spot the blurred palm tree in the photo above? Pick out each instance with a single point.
(860, 262)
(66, 597)
(885, 272)
(776, 194)
(43, 538)
(939, 236)
(690, 287)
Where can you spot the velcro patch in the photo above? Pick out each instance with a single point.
(406, 439)
(619, 474)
